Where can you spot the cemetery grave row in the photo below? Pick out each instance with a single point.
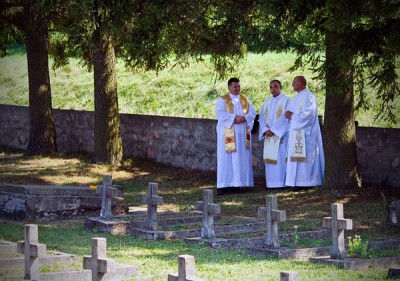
(269, 245)
(206, 218)
(96, 267)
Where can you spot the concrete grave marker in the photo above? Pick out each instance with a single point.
(103, 268)
(288, 276)
(338, 225)
(98, 262)
(32, 250)
(152, 200)
(273, 217)
(209, 209)
(186, 270)
(107, 194)
(394, 212)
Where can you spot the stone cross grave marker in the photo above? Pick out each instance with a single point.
(107, 194)
(209, 209)
(338, 225)
(32, 250)
(288, 276)
(152, 200)
(98, 262)
(273, 217)
(186, 270)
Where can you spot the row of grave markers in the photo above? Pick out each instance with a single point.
(273, 216)
(101, 268)
(336, 223)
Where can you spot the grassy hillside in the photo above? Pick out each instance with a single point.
(189, 92)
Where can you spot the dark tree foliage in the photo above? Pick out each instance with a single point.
(146, 35)
(350, 44)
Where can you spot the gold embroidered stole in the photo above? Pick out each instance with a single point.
(298, 142)
(230, 145)
(271, 144)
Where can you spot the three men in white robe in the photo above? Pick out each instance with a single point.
(293, 150)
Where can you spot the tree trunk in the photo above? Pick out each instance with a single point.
(339, 126)
(107, 136)
(42, 133)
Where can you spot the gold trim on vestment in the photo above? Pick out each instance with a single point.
(229, 134)
(298, 142)
(270, 161)
(271, 151)
(298, 159)
(248, 138)
(229, 140)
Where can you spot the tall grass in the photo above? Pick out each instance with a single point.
(189, 92)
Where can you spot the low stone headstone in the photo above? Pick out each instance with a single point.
(393, 273)
(7, 247)
(394, 212)
(108, 192)
(32, 250)
(289, 276)
(273, 218)
(209, 209)
(186, 270)
(338, 225)
(103, 268)
(152, 200)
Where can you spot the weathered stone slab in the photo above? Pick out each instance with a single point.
(186, 270)
(254, 242)
(357, 263)
(292, 253)
(394, 273)
(7, 247)
(50, 202)
(289, 253)
(288, 276)
(81, 275)
(52, 257)
(114, 226)
(196, 232)
(180, 219)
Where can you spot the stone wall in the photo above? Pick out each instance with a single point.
(190, 143)
(378, 153)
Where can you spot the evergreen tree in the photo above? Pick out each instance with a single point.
(146, 35)
(30, 20)
(350, 44)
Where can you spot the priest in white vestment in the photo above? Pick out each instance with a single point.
(274, 133)
(305, 159)
(235, 114)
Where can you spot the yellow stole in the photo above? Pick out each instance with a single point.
(230, 145)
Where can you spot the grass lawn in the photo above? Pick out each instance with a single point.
(190, 92)
(180, 189)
